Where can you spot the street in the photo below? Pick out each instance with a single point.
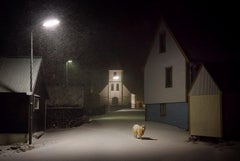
(109, 138)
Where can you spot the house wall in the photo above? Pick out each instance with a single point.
(205, 115)
(176, 114)
(13, 117)
(118, 94)
(14, 113)
(154, 72)
(39, 115)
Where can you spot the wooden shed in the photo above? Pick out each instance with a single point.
(214, 102)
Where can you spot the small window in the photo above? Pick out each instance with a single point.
(162, 42)
(163, 111)
(168, 77)
(117, 87)
(112, 87)
(36, 102)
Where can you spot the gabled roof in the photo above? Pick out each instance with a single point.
(15, 74)
(225, 75)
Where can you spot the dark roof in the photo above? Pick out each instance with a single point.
(15, 74)
(225, 75)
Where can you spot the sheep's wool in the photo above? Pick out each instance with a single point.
(138, 130)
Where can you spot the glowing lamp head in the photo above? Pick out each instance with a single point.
(51, 23)
(69, 61)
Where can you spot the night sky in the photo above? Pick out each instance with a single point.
(103, 34)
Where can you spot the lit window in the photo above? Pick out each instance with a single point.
(168, 77)
(36, 102)
(115, 76)
(163, 111)
(162, 42)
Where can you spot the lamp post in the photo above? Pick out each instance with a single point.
(67, 70)
(50, 23)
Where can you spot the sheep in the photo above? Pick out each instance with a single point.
(138, 131)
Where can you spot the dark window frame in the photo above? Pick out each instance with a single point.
(112, 87)
(163, 110)
(169, 77)
(117, 87)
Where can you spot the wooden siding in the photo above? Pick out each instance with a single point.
(204, 84)
(154, 72)
(205, 115)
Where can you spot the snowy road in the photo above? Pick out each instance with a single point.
(109, 138)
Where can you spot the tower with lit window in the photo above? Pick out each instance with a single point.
(115, 93)
(115, 87)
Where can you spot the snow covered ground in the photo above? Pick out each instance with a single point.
(109, 138)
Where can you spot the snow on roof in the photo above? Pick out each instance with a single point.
(15, 74)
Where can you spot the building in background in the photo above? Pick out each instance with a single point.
(115, 93)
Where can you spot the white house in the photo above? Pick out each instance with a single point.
(180, 91)
(115, 92)
(165, 80)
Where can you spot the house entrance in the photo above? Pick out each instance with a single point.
(114, 101)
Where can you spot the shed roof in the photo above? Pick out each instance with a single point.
(15, 74)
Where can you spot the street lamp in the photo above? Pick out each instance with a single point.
(50, 23)
(67, 68)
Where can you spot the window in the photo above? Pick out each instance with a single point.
(168, 77)
(162, 42)
(115, 76)
(117, 87)
(112, 87)
(163, 111)
(36, 102)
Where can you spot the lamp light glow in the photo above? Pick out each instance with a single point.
(51, 23)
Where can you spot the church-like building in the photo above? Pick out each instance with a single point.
(115, 92)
